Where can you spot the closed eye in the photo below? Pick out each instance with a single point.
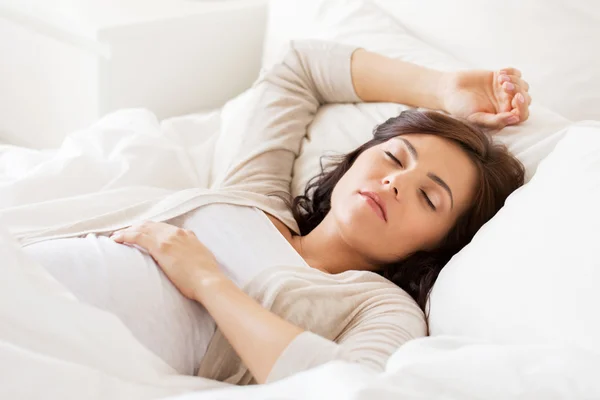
(431, 205)
(390, 155)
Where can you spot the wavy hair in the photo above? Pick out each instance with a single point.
(498, 175)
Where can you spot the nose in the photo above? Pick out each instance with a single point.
(388, 183)
(394, 183)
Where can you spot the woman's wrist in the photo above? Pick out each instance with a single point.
(208, 284)
(445, 82)
(433, 89)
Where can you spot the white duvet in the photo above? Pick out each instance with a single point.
(52, 346)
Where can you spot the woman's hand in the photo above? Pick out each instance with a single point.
(486, 98)
(178, 252)
(258, 336)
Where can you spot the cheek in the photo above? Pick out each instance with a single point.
(421, 231)
(341, 190)
(349, 183)
(416, 229)
(344, 203)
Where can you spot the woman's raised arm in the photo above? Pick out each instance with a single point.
(263, 138)
(492, 99)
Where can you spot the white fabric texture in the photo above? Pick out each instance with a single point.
(126, 281)
(92, 355)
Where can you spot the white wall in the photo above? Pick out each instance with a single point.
(59, 74)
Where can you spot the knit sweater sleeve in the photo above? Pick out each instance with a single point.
(378, 330)
(264, 137)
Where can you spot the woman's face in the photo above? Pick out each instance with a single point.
(403, 196)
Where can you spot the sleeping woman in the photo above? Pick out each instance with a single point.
(244, 284)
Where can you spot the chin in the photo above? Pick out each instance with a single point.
(358, 226)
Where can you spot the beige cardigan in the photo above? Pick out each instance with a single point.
(355, 316)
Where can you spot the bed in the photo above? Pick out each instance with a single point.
(513, 315)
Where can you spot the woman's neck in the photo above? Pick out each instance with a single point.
(324, 248)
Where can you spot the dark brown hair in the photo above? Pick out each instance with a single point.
(499, 174)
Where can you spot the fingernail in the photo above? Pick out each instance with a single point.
(510, 86)
(503, 78)
(512, 120)
(520, 98)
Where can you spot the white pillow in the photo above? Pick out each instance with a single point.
(531, 274)
(554, 43)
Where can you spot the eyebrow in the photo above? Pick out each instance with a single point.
(431, 176)
(411, 148)
(443, 184)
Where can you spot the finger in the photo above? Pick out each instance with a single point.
(141, 227)
(509, 87)
(155, 229)
(147, 226)
(514, 80)
(512, 89)
(504, 95)
(508, 101)
(135, 237)
(158, 228)
(523, 84)
(511, 81)
(521, 107)
(510, 71)
(494, 121)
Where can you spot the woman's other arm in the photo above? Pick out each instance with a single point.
(270, 346)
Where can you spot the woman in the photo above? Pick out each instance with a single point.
(261, 290)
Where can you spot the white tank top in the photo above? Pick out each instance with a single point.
(127, 282)
(243, 239)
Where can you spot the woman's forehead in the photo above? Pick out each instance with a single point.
(422, 142)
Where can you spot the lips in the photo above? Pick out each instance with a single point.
(376, 203)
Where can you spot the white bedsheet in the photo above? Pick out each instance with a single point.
(52, 346)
